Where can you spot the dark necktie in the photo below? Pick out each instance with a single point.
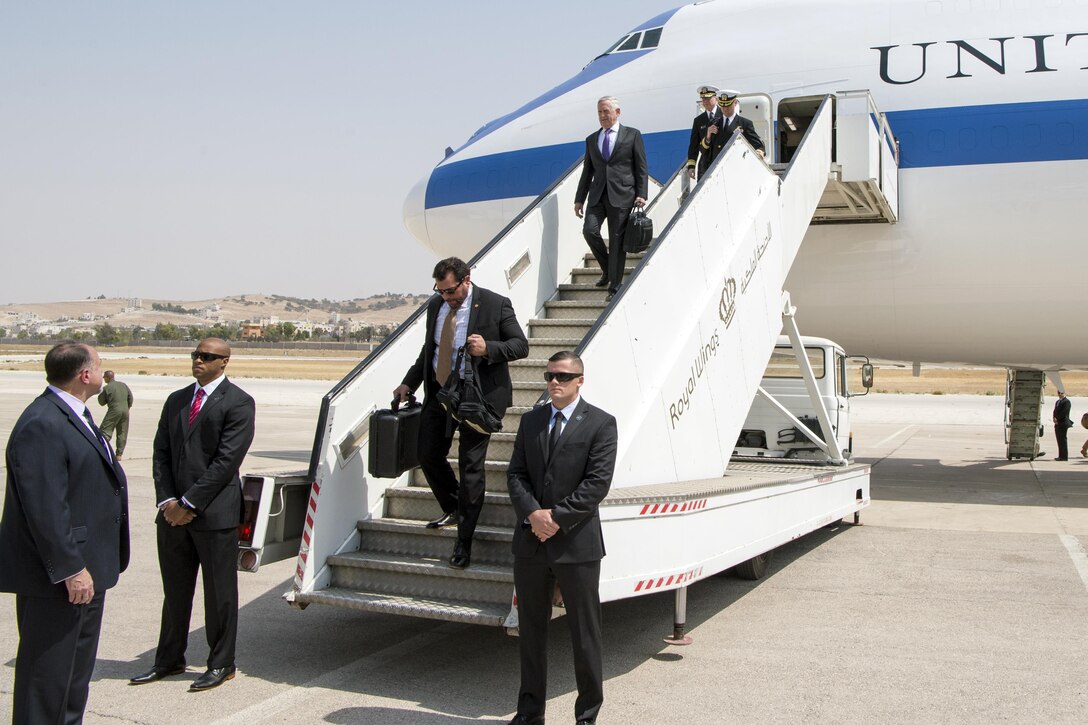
(557, 430)
(97, 433)
(445, 348)
(606, 150)
(194, 409)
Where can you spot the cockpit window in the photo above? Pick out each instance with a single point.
(651, 38)
(631, 43)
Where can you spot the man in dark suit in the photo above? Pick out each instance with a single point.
(1062, 424)
(614, 179)
(561, 469)
(63, 538)
(717, 134)
(461, 314)
(711, 114)
(203, 436)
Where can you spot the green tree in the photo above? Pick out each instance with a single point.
(105, 334)
(166, 331)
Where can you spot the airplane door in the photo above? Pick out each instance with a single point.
(757, 108)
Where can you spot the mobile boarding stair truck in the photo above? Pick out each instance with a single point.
(678, 356)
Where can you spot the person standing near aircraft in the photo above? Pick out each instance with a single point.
(718, 135)
(560, 471)
(204, 434)
(483, 322)
(1062, 424)
(64, 538)
(711, 114)
(614, 178)
(1084, 424)
(118, 399)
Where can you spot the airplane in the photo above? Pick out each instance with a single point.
(986, 100)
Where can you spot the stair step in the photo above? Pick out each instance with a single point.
(446, 610)
(418, 504)
(570, 292)
(525, 394)
(494, 475)
(561, 328)
(545, 347)
(590, 262)
(490, 544)
(574, 309)
(592, 274)
(414, 577)
(527, 370)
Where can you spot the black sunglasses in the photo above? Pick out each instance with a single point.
(448, 290)
(561, 377)
(206, 356)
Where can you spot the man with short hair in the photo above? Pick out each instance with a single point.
(560, 471)
(614, 179)
(203, 436)
(1062, 424)
(461, 314)
(118, 399)
(64, 538)
(711, 114)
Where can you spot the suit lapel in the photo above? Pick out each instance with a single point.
(474, 312)
(81, 426)
(570, 428)
(209, 402)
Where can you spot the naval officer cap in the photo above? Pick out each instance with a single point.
(727, 98)
(707, 91)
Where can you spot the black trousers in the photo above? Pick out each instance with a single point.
(182, 551)
(435, 439)
(58, 643)
(611, 258)
(1061, 432)
(534, 583)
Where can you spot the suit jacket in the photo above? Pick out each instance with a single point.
(201, 462)
(66, 506)
(718, 141)
(623, 177)
(572, 482)
(698, 133)
(492, 318)
(1061, 413)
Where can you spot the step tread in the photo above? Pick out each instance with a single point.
(491, 497)
(413, 526)
(424, 566)
(448, 610)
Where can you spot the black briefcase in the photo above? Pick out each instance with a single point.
(394, 439)
(639, 232)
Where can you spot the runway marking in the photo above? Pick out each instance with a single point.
(1078, 555)
(337, 679)
(894, 435)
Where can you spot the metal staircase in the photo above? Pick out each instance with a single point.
(1023, 413)
(400, 566)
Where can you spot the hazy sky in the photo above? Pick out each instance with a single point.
(197, 149)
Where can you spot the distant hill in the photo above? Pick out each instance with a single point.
(383, 309)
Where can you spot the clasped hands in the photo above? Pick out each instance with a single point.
(543, 525)
(176, 514)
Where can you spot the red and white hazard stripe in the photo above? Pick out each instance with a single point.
(666, 582)
(307, 535)
(672, 507)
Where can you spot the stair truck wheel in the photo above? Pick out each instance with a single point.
(754, 568)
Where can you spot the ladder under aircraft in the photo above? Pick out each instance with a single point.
(677, 356)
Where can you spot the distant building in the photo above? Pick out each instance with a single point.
(87, 317)
(251, 330)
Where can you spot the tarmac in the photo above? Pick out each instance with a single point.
(962, 597)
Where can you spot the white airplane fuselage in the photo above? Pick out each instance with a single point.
(987, 100)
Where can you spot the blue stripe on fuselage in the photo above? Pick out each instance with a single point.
(994, 134)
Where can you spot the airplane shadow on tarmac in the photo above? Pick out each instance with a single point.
(456, 672)
(1042, 482)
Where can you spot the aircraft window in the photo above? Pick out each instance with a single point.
(651, 38)
(783, 363)
(631, 43)
(614, 46)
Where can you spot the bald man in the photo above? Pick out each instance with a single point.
(203, 436)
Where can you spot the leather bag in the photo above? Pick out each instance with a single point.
(463, 399)
(639, 232)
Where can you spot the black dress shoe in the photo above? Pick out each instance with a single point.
(461, 555)
(1061, 459)
(602, 281)
(527, 720)
(449, 519)
(212, 678)
(157, 673)
(609, 296)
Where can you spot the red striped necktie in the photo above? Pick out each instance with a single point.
(195, 407)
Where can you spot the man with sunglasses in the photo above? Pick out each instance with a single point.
(483, 322)
(203, 436)
(561, 469)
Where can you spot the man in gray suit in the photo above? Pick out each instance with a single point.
(560, 471)
(614, 179)
(63, 538)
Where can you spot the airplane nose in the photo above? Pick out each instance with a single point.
(415, 212)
